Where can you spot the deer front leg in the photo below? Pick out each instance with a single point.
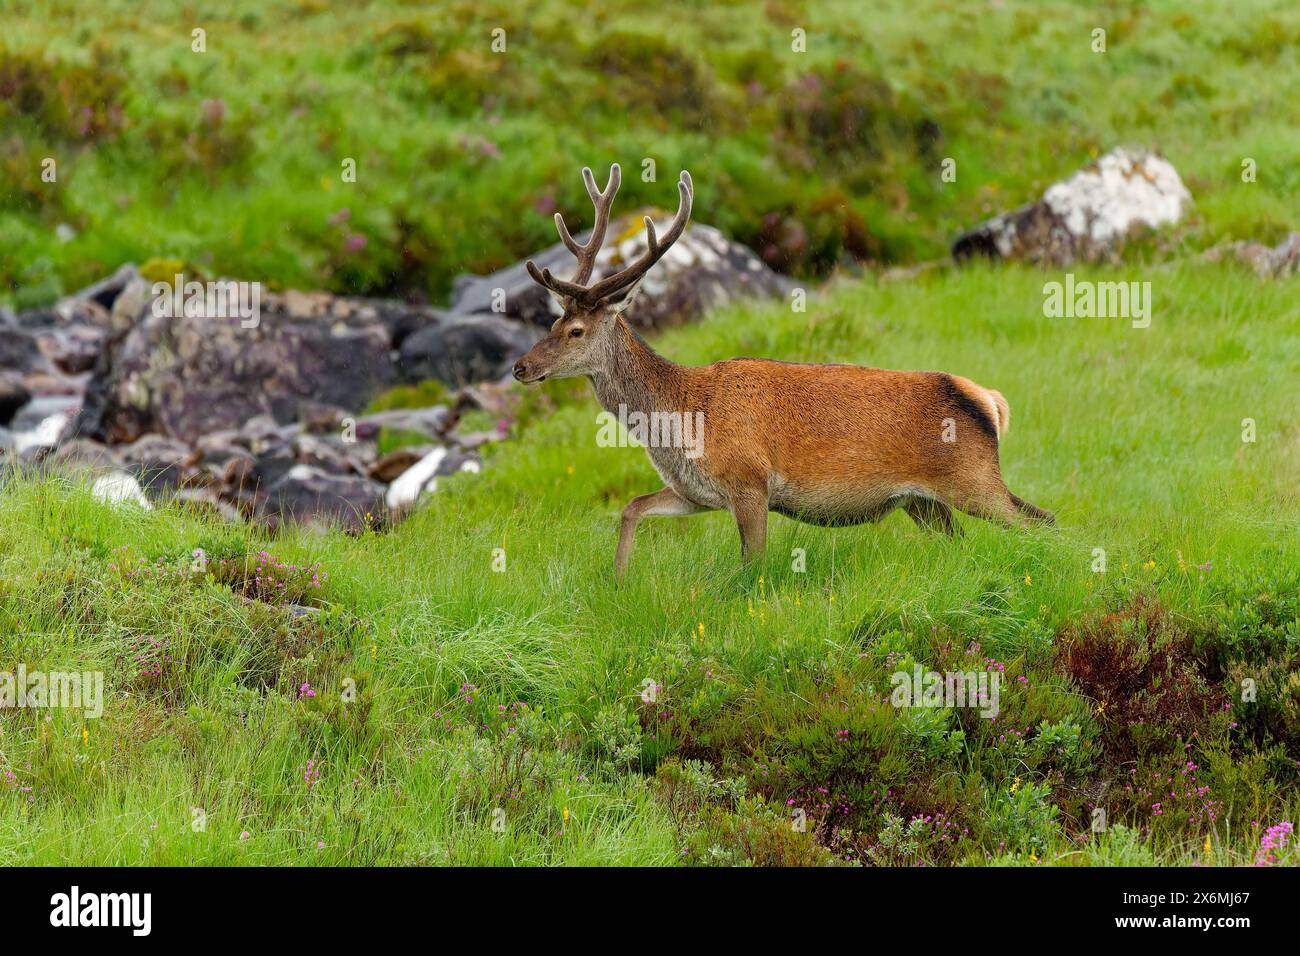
(663, 503)
(750, 509)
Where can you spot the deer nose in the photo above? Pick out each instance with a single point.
(520, 370)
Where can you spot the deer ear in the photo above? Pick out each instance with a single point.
(557, 302)
(619, 302)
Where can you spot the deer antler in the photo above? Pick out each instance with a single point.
(586, 254)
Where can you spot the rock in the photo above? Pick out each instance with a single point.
(20, 351)
(404, 322)
(129, 305)
(412, 483)
(225, 458)
(160, 463)
(238, 470)
(1277, 262)
(388, 467)
(472, 440)
(467, 349)
(399, 319)
(56, 383)
(207, 499)
(246, 418)
(421, 478)
(431, 422)
(310, 496)
(66, 312)
(270, 468)
(486, 397)
(72, 349)
(77, 312)
(262, 433)
(1088, 216)
(458, 461)
(320, 418)
(332, 456)
(186, 376)
(14, 394)
(82, 454)
(119, 488)
(703, 270)
(106, 291)
(40, 423)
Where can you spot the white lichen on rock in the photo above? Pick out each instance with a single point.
(1121, 190)
(1088, 216)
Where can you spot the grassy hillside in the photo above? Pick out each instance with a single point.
(231, 159)
(520, 690)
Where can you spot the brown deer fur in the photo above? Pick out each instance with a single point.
(824, 444)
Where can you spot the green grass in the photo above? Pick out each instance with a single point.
(1133, 437)
(230, 160)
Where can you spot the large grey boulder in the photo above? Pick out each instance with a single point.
(466, 349)
(185, 376)
(702, 271)
(1087, 217)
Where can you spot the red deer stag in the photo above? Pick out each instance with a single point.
(824, 444)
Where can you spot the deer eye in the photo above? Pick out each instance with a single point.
(575, 333)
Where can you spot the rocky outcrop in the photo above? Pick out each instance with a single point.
(1087, 217)
(187, 375)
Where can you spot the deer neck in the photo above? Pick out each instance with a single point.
(635, 377)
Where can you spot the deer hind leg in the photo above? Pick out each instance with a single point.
(993, 502)
(931, 515)
(1032, 512)
(665, 502)
(750, 510)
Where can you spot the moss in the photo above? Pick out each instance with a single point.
(424, 394)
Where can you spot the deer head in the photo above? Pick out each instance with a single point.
(580, 341)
